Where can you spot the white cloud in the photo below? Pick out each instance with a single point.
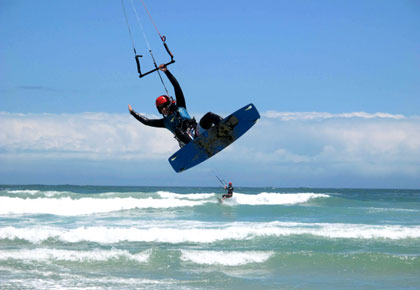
(358, 144)
(86, 135)
(281, 144)
(286, 116)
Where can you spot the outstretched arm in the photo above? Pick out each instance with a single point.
(180, 100)
(148, 122)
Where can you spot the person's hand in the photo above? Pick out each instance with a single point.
(130, 108)
(163, 68)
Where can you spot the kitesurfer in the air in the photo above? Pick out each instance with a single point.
(175, 116)
(229, 189)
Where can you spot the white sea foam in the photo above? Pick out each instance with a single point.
(193, 196)
(225, 258)
(48, 193)
(71, 207)
(26, 191)
(68, 206)
(42, 255)
(71, 280)
(379, 209)
(266, 198)
(208, 232)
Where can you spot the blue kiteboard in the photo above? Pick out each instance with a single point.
(215, 139)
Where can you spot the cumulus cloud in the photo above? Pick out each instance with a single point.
(280, 144)
(286, 116)
(85, 135)
(365, 143)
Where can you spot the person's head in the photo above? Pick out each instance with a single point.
(163, 104)
(230, 183)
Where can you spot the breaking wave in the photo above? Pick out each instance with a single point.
(79, 205)
(225, 258)
(83, 206)
(43, 255)
(208, 232)
(266, 198)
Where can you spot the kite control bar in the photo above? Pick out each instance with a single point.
(154, 62)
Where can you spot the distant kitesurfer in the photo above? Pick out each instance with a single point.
(175, 116)
(229, 189)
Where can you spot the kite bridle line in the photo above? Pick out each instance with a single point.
(137, 56)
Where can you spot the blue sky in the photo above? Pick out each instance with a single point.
(337, 84)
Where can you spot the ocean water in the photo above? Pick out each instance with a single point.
(91, 237)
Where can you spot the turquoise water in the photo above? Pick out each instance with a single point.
(88, 237)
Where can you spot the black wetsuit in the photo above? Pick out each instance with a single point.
(230, 192)
(181, 126)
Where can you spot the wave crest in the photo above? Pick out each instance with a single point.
(73, 256)
(209, 233)
(83, 206)
(267, 198)
(231, 258)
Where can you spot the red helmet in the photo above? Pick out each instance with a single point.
(162, 101)
(230, 183)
